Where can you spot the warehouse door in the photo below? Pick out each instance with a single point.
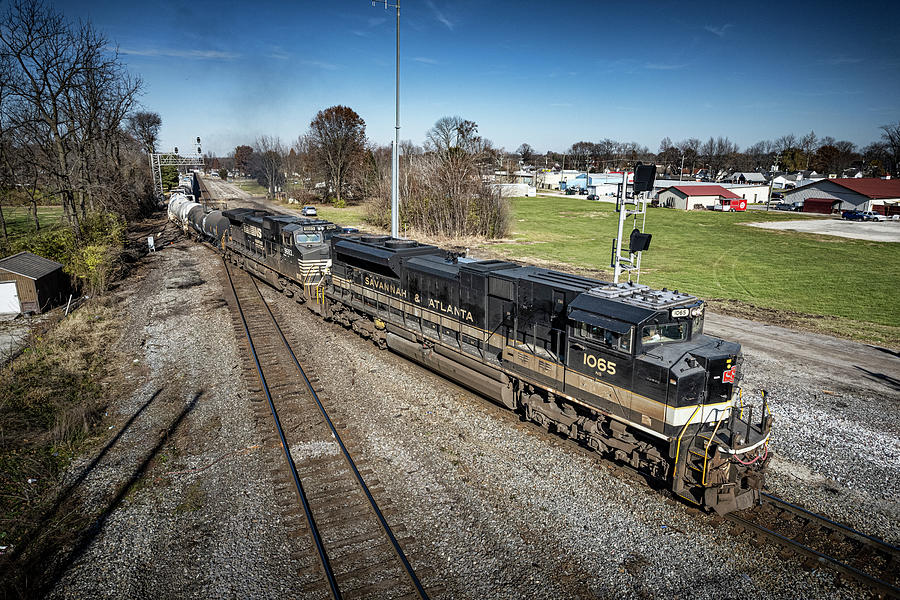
(9, 298)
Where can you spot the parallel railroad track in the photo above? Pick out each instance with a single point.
(821, 541)
(352, 550)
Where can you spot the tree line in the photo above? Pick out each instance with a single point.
(71, 132)
(720, 156)
(443, 184)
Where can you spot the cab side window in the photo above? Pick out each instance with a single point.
(604, 337)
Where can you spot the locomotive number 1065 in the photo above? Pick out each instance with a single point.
(600, 364)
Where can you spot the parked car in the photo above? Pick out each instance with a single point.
(309, 211)
(853, 215)
(777, 196)
(593, 197)
(570, 191)
(871, 215)
(784, 206)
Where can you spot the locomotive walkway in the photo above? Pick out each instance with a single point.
(353, 551)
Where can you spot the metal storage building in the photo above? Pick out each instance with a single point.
(31, 283)
(881, 195)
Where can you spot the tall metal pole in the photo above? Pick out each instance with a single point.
(395, 169)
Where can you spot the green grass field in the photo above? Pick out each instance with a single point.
(714, 256)
(19, 221)
(250, 186)
(350, 216)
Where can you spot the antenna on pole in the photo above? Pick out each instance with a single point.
(638, 241)
(395, 146)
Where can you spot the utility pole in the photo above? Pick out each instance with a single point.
(395, 155)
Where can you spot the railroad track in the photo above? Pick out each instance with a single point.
(821, 541)
(352, 551)
(817, 540)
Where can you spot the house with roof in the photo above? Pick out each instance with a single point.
(751, 177)
(31, 283)
(794, 180)
(699, 197)
(848, 193)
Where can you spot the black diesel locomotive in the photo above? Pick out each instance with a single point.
(623, 369)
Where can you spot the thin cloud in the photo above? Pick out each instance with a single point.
(279, 54)
(719, 31)
(376, 21)
(359, 33)
(198, 54)
(426, 60)
(440, 16)
(842, 60)
(318, 64)
(665, 66)
(561, 104)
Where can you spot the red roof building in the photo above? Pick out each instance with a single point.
(690, 197)
(704, 190)
(881, 195)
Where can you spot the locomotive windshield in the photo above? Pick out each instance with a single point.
(301, 237)
(661, 334)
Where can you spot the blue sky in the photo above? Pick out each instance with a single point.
(546, 73)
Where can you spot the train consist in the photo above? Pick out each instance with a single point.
(624, 369)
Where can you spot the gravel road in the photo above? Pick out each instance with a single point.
(222, 190)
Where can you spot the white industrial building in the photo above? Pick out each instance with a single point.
(514, 190)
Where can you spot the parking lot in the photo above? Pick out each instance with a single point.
(881, 231)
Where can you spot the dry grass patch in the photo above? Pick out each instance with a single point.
(50, 400)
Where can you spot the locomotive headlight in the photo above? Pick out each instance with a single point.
(695, 312)
(680, 312)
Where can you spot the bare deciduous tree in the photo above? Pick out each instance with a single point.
(144, 126)
(338, 135)
(269, 163)
(891, 137)
(67, 98)
(526, 153)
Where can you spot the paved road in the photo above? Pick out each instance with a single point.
(221, 190)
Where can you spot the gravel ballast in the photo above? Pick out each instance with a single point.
(211, 532)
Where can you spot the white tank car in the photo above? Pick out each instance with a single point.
(182, 207)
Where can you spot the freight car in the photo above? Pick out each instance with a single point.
(624, 369)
